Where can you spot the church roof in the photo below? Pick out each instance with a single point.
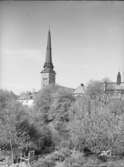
(117, 87)
(113, 86)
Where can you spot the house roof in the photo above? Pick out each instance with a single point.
(79, 90)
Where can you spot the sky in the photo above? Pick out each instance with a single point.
(87, 42)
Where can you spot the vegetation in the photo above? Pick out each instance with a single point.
(63, 130)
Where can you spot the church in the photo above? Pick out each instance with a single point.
(115, 88)
(48, 74)
(48, 77)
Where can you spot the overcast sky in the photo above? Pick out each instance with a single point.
(87, 42)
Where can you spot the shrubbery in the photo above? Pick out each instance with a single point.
(60, 126)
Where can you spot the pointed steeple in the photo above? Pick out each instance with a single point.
(119, 78)
(48, 61)
(49, 39)
(48, 74)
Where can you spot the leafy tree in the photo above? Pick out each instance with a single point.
(52, 103)
(51, 109)
(59, 114)
(95, 89)
(10, 113)
(43, 102)
(116, 106)
(59, 111)
(97, 129)
(5, 98)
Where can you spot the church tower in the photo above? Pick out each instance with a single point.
(118, 78)
(48, 73)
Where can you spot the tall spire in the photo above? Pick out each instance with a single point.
(119, 78)
(48, 74)
(48, 62)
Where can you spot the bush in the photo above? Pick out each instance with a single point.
(77, 159)
(44, 162)
(59, 155)
(97, 130)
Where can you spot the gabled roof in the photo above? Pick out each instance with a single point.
(79, 90)
(113, 86)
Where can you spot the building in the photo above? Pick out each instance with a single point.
(27, 98)
(80, 90)
(115, 88)
(48, 74)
